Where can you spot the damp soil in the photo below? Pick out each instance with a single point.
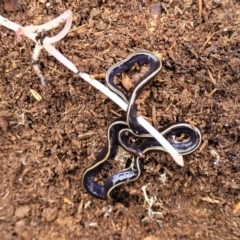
(45, 146)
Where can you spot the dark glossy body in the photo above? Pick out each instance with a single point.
(130, 124)
(154, 67)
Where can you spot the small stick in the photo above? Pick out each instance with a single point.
(35, 56)
(154, 116)
(200, 10)
(211, 77)
(117, 114)
(85, 135)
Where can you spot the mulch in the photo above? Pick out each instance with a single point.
(43, 154)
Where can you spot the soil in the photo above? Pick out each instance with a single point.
(46, 145)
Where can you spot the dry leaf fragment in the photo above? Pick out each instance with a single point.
(208, 199)
(66, 200)
(150, 237)
(36, 95)
(215, 155)
(237, 208)
(98, 75)
(126, 82)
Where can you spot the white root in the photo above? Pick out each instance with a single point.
(67, 15)
(32, 31)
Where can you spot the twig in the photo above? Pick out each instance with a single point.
(35, 56)
(200, 10)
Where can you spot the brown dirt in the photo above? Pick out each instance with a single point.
(42, 157)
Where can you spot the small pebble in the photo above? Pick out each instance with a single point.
(3, 124)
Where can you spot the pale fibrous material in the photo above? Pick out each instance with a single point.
(46, 43)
